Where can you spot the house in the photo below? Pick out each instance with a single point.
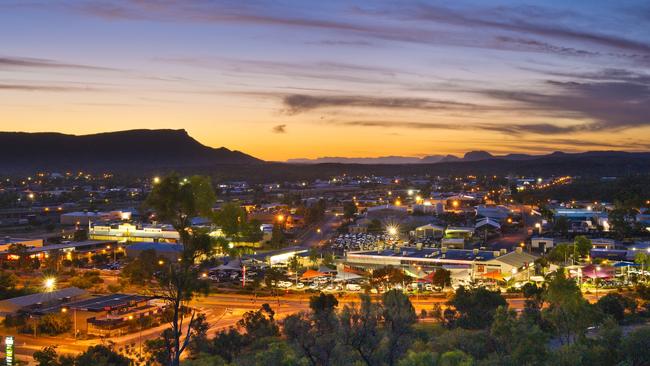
(541, 243)
(429, 231)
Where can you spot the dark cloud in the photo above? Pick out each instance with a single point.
(605, 105)
(299, 103)
(28, 62)
(515, 129)
(44, 88)
(404, 22)
(279, 129)
(518, 20)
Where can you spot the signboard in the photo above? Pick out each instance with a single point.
(9, 350)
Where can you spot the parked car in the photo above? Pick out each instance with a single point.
(353, 287)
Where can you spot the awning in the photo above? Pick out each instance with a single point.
(493, 275)
(592, 271)
(347, 276)
(310, 273)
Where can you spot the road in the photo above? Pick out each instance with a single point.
(510, 240)
(222, 311)
(327, 227)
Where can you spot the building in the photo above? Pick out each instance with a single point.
(279, 256)
(476, 262)
(497, 213)
(123, 232)
(70, 249)
(169, 251)
(542, 244)
(41, 300)
(7, 242)
(84, 217)
(429, 231)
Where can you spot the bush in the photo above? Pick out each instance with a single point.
(54, 324)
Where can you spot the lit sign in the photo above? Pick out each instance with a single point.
(9, 350)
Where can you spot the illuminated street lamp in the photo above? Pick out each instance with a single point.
(49, 284)
(392, 230)
(156, 180)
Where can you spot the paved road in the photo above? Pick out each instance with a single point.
(327, 228)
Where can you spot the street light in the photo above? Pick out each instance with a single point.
(49, 283)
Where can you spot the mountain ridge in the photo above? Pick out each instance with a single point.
(120, 149)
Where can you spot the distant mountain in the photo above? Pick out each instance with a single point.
(477, 156)
(471, 156)
(137, 149)
(342, 160)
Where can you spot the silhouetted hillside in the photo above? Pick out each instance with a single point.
(134, 149)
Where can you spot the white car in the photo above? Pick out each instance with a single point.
(353, 287)
(300, 285)
(428, 287)
(314, 286)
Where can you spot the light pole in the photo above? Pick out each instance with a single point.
(597, 280)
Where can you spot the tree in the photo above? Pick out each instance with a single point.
(228, 344)
(54, 324)
(349, 209)
(277, 236)
(232, 220)
(455, 358)
(101, 355)
(199, 342)
(314, 334)
(277, 353)
(476, 307)
(259, 323)
(388, 276)
(424, 358)
(19, 251)
(561, 225)
(359, 329)
(8, 283)
(177, 201)
(46, 356)
(441, 277)
(582, 245)
(569, 313)
(517, 341)
(615, 305)
(141, 270)
(399, 317)
(636, 347)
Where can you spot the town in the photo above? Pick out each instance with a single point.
(93, 258)
(324, 183)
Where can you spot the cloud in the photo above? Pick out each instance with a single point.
(517, 20)
(604, 105)
(28, 62)
(279, 129)
(299, 103)
(499, 27)
(44, 88)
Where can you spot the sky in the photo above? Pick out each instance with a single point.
(306, 79)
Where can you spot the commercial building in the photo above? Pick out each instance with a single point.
(7, 242)
(123, 232)
(85, 217)
(167, 250)
(42, 300)
(478, 263)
